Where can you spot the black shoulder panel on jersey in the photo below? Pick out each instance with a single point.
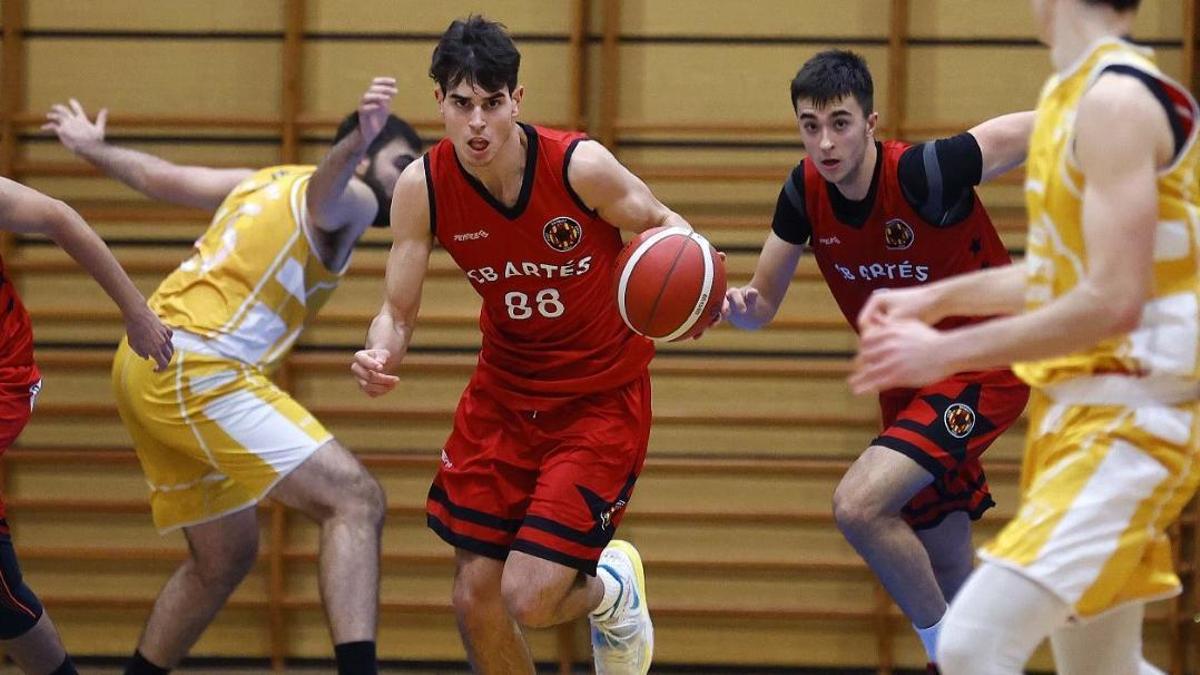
(567, 181)
(429, 192)
(1156, 88)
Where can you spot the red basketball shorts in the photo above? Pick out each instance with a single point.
(19, 388)
(553, 484)
(945, 427)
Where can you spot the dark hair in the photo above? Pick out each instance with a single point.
(395, 128)
(477, 51)
(834, 74)
(1119, 5)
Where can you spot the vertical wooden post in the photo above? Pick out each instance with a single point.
(1192, 616)
(12, 94)
(291, 103)
(1191, 59)
(897, 72)
(293, 72)
(884, 647)
(580, 21)
(609, 73)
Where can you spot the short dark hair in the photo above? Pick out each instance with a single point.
(395, 128)
(834, 74)
(477, 51)
(1119, 5)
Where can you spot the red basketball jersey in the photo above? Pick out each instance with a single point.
(16, 332)
(544, 266)
(895, 247)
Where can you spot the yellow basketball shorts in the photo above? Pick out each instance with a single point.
(213, 434)
(1100, 484)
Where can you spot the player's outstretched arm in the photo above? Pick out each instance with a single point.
(391, 330)
(1003, 142)
(334, 201)
(755, 305)
(154, 177)
(1122, 138)
(27, 211)
(993, 292)
(620, 197)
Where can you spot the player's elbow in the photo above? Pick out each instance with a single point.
(1125, 315)
(56, 220)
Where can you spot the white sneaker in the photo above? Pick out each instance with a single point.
(623, 641)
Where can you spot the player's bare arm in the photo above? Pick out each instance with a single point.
(620, 197)
(998, 291)
(27, 211)
(1003, 142)
(391, 330)
(198, 186)
(755, 305)
(1122, 139)
(335, 201)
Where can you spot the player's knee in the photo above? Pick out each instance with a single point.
(527, 604)
(225, 570)
(366, 500)
(854, 512)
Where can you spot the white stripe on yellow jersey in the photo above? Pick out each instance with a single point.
(255, 279)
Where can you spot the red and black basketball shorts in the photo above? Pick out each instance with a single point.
(553, 483)
(19, 387)
(945, 427)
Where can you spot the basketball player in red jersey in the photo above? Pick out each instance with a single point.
(551, 432)
(26, 632)
(889, 215)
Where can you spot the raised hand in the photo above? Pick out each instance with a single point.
(149, 337)
(368, 369)
(73, 127)
(375, 106)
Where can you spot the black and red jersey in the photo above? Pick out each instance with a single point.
(543, 266)
(893, 242)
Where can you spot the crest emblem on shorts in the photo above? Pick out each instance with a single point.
(959, 420)
(562, 234)
(897, 235)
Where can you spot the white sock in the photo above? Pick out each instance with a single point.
(929, 637)
(614, 593)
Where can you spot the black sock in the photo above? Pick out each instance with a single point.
(138, 665)
(356, 658)
(66, 667)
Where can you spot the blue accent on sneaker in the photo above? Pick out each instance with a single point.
(620, 594)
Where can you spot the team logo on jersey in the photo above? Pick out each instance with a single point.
(897, 234)
(959, 420)
(562, 234)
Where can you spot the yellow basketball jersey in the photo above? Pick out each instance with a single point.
(255, 279)
(1166, 342)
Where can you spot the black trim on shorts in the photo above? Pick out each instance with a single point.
(567, 182)
(973, 514)
(510, 526)
(425, 160)
(588, 567)
(464, 542)
(912, 452)
(595, 538)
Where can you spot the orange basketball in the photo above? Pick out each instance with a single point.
(669, 283)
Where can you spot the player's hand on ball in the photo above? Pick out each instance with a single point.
(149, 337)
(368, 369)
(73, 127)
(898, 353)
